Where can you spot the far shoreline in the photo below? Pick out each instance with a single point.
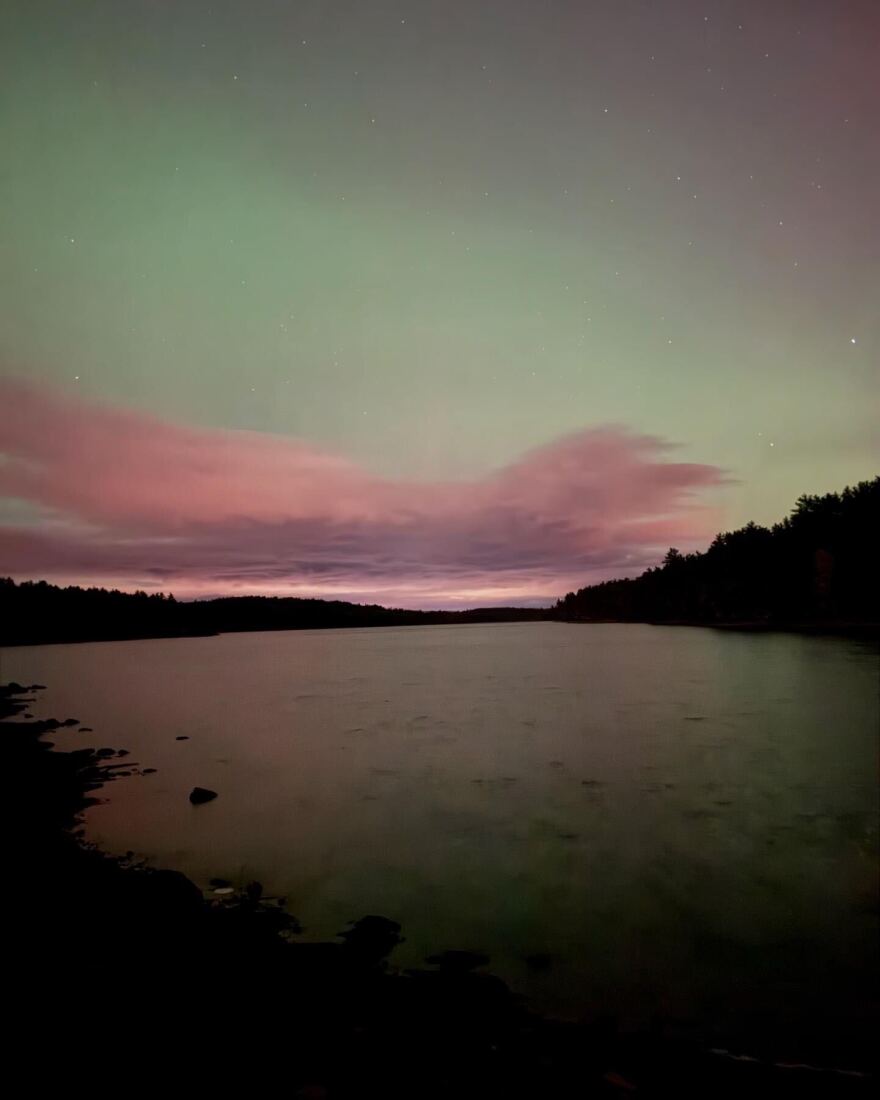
(867, 631)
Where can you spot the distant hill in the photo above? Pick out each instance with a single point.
(819, 566)
(35, 612)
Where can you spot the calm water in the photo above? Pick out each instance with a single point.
(679, 820)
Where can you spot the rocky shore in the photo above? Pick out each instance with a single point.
(121, 975)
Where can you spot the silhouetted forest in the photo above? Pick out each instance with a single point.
(34, 612)
(818, 566)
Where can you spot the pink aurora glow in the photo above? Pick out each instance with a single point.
(113, 496)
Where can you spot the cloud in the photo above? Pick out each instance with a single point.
(109, 495)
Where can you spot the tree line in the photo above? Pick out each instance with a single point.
(35, 612)
(819, 565)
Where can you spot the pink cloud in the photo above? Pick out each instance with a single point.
(120, 497)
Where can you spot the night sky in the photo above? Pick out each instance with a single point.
(432, 303)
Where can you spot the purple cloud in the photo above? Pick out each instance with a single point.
(108, 495)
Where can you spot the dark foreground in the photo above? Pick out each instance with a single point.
(120, 974)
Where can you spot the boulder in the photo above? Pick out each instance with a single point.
(198, 795)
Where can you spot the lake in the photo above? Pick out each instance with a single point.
(627, 819)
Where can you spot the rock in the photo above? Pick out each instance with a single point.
(254, 891)
(371, 938)
(182, 737)
(198, 795)
(122, 752)
(70, 722)
(148, 771)
(86, 729)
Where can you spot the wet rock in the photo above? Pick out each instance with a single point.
(199, 795)
(148, 771)
(182, 737)
(122, 752)
(86, 729)
(70, 722)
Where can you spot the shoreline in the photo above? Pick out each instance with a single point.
(839, 629)
(867, 631)
(141, 951)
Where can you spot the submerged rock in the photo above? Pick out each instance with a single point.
(198, 795)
